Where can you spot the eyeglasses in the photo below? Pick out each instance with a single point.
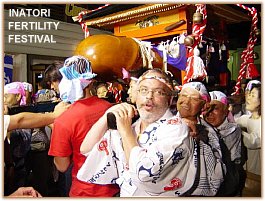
(157, 92)
(192, 98)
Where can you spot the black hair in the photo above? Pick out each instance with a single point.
(52, 73)
(138, 72)
(44, 84)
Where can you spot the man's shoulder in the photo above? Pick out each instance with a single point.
(93, 101)
(243, 118)
(229, 127)
(174, 120)
(88, 103)
(84, 107)
(173, 125)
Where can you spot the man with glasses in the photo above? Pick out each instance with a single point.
(154, 156)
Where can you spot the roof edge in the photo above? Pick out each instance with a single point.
(140, 11)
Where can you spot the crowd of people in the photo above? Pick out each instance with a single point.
(164, 142)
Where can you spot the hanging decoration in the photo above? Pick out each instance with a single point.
(174, 47)
(173, 53)
(116, 91)
(247, 67)
(82, 23)
(195, 67)
(198, 67)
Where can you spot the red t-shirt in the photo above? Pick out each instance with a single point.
(68, 133)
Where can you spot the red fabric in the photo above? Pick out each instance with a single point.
(252, 71)
(247, 67)
(68, 133)
(223, 79)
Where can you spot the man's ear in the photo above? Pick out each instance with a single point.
(205, 106)
(171, 100)
(226, 110)
(18, 97)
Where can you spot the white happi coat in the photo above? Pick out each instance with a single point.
(164, 163)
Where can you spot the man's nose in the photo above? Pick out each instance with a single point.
(150, 94)
(53, 87)
(187, 99)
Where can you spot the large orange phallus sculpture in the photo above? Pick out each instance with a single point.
(108, 54)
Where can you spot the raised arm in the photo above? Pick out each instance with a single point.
(129, 140)
(100, 127)
(35, 120)
(94, 135)
(124, 121)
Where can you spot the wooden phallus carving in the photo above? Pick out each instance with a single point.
(109, 54)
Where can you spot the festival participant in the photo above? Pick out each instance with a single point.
(44, 93)
(17, 142)
(192, 101)
(154, 156)
(230, 134)
(251, 130)
(39, 165)
(71, 127)
(217, 117)
(53, 76)
(102, 90)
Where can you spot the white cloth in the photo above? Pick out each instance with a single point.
(231, 134)
(219, 96)
(77, 75)
(6, 124)
(164, 163)
(252, 140)
(211, 167)
(71, 90)
(104, 160)
(213, 139)
(200, 88)
(210, 172)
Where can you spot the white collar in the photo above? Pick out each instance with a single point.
(136, 126)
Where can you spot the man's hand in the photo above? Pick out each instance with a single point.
(123, 107)
(197, 131)
(192, 127)
(124, 113)
(25, 192)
